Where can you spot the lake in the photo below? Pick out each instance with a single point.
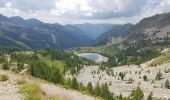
(94, 56)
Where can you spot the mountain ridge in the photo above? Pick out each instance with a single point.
(34, 34)
(152, 30)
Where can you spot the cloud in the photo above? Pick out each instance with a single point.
(81, 11)
(80, 8)
(98, 9)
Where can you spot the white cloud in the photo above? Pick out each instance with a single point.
(84, 11)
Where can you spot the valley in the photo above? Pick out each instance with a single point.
(94, 57)
(44, 61)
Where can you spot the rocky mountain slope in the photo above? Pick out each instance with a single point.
(116, 32)
(133, 77)
(153, 30)
(33, 34)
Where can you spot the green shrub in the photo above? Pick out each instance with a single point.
(150, 96)
(54, 98)
(130, 81)
(167, 84)
(145, 78)
(158, 76)
(21, 81)
(3, 77)
(32, 91)
(15, 69)
(5, 66)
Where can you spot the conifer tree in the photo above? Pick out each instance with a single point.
(90, 88)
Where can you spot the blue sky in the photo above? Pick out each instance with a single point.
(84, 11)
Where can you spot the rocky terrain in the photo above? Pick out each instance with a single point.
(133, 77)
(9, 89)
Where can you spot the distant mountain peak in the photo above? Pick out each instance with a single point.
(34, 20)
(3, 18)
(32, 33)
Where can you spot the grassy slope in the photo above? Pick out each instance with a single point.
(164, 58)
(33, 92)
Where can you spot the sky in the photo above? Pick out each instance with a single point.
(84, 11)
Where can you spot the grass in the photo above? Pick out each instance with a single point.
(164, 58)
(15, 69)
(21, 81)
(54, 98)
(33, 92)
(107, 50)
(3, 77)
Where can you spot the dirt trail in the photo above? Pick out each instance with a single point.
(8, 89)
(64, 93)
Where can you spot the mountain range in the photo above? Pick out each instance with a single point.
(34, 34)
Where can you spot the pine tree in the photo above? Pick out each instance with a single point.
(90, 88)
(150, 96)
(137, 94)
(97, 89)
(158, 76)
(105, 93)
(74, 83)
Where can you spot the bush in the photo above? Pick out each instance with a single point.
(5, 66)
(150, 96)
(145, 78)
(158, 76)
(21, 81)
(54, 98)
(130, 81)
(15, 69)
(3, 77)
(167, 84)
(32, 91)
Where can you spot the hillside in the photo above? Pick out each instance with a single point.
(153, 30)
(48, 73)
(116, 32)
(150, 31)
(17, 83)
(33, 34)
(94, 30)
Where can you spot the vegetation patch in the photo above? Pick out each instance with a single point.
(104, 50)
(21, 81)
(3, 77)
(164, 58)
(32, 92)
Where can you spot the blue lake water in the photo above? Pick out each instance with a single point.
(91, 56)
(94, 56)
